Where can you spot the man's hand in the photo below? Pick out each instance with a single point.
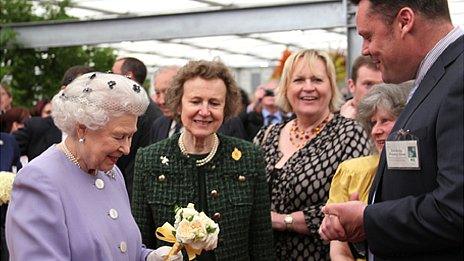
(348, 110)
(343, 221)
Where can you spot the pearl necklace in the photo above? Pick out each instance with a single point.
(74, 160)
(302, 136)
(205, 160)
(69, 155)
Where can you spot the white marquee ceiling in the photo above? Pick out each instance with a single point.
(240, 51)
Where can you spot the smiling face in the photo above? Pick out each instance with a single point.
(202, 106)
(309, 91)
(103, 147)
(382, 123)
(384, 44)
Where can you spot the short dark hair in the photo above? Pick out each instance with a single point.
(73, 72)
(359, 62)
(431, 9)
(136, 67)
(208, 70)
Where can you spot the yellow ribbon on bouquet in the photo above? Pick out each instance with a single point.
(166, 234)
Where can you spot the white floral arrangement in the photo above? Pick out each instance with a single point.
(192, 230)
(6, 185)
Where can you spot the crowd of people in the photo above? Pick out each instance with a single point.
(294, 174)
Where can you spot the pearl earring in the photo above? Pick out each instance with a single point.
(81, 140)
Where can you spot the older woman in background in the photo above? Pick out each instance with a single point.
(303, 154)
(70, 203)
(377, 113)
(221, 175)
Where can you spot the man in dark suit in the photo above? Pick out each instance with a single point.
(267, 113)
(165, 126)
(416, 199)
(137, 71)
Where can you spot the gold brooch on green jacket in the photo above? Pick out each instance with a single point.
(236, 154)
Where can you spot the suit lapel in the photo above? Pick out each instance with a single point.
(427, 84)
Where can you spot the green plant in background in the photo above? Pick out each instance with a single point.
(35, 74)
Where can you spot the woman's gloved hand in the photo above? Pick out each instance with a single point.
(161, 252)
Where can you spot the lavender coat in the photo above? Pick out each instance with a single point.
(57, 212)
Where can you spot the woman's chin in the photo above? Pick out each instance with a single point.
(201, 134)
(107, 167)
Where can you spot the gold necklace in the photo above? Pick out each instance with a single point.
(300, 137)
(208, 157)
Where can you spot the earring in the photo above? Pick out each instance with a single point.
(81, 140)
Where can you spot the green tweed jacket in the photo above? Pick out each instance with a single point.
(237, 195)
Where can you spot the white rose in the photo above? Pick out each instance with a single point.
(211, 230)
(185, 213)
(189, 232)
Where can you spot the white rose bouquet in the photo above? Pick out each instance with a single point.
(6, 185)
(192, 230)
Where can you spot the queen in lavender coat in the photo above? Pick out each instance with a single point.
(70, 203)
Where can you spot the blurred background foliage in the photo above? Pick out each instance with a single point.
(34, 74)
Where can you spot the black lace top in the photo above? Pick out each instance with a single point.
(303, 183)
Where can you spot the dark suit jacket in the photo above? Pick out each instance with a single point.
(254, 121)
(232, 127)
(9, 152)
(240, 205)
(418, 214)
(140, 139)
(37, 135)
(160, 129)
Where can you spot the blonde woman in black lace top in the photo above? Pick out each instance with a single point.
(303, 154)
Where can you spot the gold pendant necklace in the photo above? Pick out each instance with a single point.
(208, 157)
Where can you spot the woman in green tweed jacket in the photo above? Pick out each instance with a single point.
(221, 175)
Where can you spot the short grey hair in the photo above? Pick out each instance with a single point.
(160, 71)
(310, 56)
(389, 97)
(93, 98)
(164, 69)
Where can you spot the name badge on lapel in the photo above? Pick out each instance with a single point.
(402, 153)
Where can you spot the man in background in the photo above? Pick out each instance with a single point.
(137, 71)
(364, 74)
(165, 126)
(264, 113)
